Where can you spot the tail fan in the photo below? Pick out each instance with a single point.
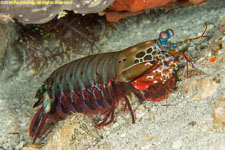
(37, 123)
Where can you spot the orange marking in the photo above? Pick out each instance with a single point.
(213, 59)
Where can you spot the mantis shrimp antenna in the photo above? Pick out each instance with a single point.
(172, 48)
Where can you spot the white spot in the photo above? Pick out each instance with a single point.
(95, 3)
(107, 133)
(36, 9)
(51, 15)
(20, 15)
(78, 5)
(150, 77)
(154, 109)
(177, 144)
(86, 2)
(26, 20)
(123, 135)
(155, 81)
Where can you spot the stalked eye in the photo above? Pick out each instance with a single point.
(163, 35)
(170, 33)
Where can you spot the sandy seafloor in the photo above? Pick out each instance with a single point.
(188, 121)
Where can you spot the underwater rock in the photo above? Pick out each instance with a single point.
(219, 114)
(200, 88)
(42, 11)
(76, 132)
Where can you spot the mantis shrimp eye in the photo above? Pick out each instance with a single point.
(170, 33)
(163, 35)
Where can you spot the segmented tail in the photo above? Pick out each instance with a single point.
(42, 114)
(37, 123)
